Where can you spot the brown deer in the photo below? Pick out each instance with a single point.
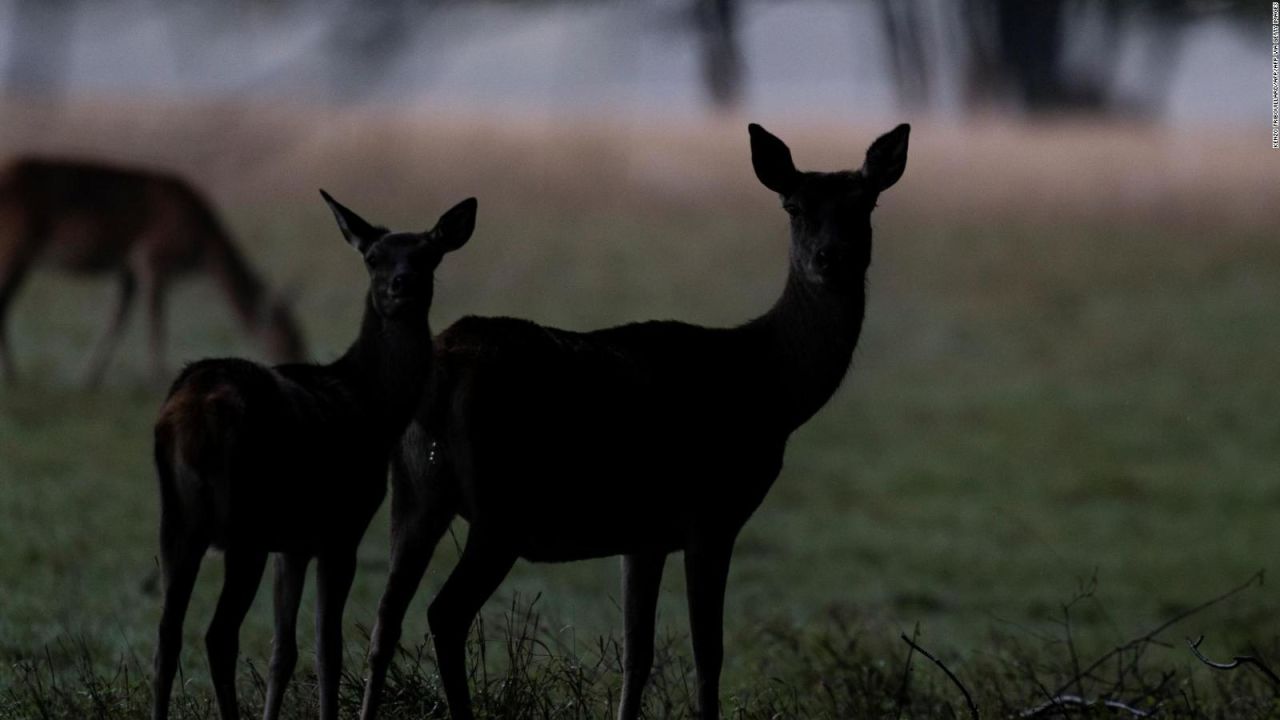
(639, 440)
(143, 227)
(292, 459)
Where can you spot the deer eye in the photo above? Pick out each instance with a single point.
(792, 209)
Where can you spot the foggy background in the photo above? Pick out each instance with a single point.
(1169, 61)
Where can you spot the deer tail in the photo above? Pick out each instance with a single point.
(195, 439)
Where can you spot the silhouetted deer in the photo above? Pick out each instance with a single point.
(293, 460)
(146, 228)
(637, 440)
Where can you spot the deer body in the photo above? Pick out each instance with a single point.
(145, 228)
(305, 440)
(639, 440)
(652, 410)
(292, 460)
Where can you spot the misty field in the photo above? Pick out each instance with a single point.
(1067, 388)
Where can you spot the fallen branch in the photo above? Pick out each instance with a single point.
(968, 699)
(1236, 661)
(1058, 702)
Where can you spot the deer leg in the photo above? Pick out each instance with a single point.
(12, 270)
(414, 539)
(334, 574)
(155, 289)
(641, 579)
(291, 575)
(483, 565)
(706, 568)
(180, 556)
(107, 343)
(222, 641)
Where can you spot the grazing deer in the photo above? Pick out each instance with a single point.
(293, 460)
(637, 440)
(143, 227)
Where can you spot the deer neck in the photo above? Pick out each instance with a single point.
(810, 334)
(389, 364)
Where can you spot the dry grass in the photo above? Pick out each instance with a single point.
(977, 172)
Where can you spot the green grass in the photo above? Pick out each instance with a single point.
(1030, 407)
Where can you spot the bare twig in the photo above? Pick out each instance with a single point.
(906, 674)
(1086, 590)
(968, 699)
(1236, 661)
(1150, 636)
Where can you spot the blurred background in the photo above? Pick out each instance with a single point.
(1176, 60)
(1068, 378)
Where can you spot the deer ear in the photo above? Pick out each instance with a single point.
(358, 233)
(455, 227)
(771, 159)
(887, 158)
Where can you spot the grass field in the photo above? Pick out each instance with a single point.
(1068, 374)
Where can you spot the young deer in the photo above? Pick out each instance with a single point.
(637, 440)
(146, 229)
(293, 460)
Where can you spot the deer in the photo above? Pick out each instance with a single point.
(292, 460)
(639, 440)
(144, 227)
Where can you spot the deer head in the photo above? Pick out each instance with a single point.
(830, 211)
(401, 264)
